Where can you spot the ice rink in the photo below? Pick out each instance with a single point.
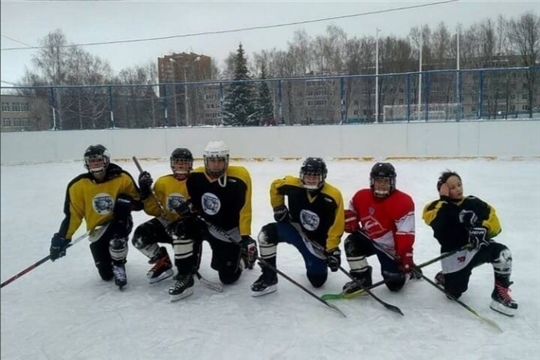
(63, 310)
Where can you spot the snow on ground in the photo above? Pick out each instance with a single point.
(63, 310)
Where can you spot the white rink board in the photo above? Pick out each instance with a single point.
(494, 139)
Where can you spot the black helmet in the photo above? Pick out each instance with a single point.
(182, 154)
(313, 166)
(383, 170)
(94, 151)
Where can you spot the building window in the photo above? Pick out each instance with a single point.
(524, 97)
(24, 106)
(525, 107)
(15, 107)
(5, 106)
(6, 122)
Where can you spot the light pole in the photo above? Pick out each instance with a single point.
(377, 76)
(186, 97)
(420, 77)
(175, 105)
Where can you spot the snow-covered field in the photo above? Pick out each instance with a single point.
(63, 310)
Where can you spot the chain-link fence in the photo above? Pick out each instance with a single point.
(449, 95)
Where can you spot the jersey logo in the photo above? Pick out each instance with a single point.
(371, 210)
(210, 203)
(174, 200)
(309, 220)
(103, 203)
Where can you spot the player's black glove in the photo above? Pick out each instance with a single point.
(249, 251)
(184, 209)
(58, 247)
(333, 259)
(281, 213)
(145, 184)
(477, 237)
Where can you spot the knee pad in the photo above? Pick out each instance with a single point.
(354, 246)
(317, 280)
(395, 282)
(228, 277)
(144, 236)
(118, 249)
(268, 234)
(503, 263)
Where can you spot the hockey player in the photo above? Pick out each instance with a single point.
(104, 196)
(167, 226)
(312, 221)
(221, 194)
(458, 220)
(386, 215)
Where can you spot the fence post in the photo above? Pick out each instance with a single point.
(480, 93)
(408, 97)
(426, 95)
(342, 99)
(53, 109)
(459, 93)
(280, 101)
(165, 105)
(221, 101)
(111, 111)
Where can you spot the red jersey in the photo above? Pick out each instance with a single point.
(389, 220)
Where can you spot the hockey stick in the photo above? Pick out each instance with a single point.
(273, 268)
(42, 261)
(209, 284)
(390, 307)
(450, 296)
(343, 295)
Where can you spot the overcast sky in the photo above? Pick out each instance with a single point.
(95, 21)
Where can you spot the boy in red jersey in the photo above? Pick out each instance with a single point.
(387, 217)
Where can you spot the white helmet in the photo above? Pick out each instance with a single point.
(216, 150)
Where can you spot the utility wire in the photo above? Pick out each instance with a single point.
(401, 8)
(17, 41)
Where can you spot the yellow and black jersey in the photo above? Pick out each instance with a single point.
(321, 215)
(94, 202)
(226, 207)
(170, 192)
(443, 217)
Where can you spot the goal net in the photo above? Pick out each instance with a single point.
(435, 112)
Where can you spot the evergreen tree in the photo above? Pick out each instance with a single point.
(239, 105)
(265, 108)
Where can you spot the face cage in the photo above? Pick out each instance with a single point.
(216, 174)
(106, 163)
(310, 186)
(178, 172)
(390, 191)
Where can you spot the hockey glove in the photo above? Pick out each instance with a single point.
(333, 259)
(249, 251)
(351, 222)
(477, 237)
(145, 184)
(184, 209)
(58, 247)
(468, 218)
(281, 213)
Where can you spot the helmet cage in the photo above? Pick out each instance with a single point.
(383, 171)
(313, 167)
(94, 152)
(184, 157)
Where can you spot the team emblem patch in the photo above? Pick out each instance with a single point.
(103, 203)
(309, 220)
(371, 210)
(210, 203)
(174, 200)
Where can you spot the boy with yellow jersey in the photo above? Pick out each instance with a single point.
(221, 195)
(167, 226)
(104, 196)
(315, 214)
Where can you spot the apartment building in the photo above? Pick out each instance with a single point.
(22, 113)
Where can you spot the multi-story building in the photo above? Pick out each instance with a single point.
(22, 113)
(188, 102)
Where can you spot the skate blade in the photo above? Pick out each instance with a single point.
(501, 309)
(268, 290)
(185, 294)
(167, 274)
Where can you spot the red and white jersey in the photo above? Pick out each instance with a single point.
(389, 220)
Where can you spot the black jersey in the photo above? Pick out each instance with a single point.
(321, 215)
(443, 217)
(226, 207)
